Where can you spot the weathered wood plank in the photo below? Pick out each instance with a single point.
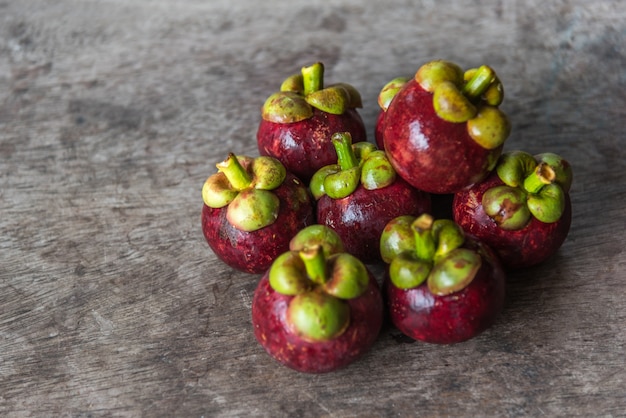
(113, 113)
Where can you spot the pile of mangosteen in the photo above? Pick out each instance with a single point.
(320, 203)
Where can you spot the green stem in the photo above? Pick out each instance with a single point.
(345, 154)
(543, 174)
(313, 78)
(238, 177)
(315, 263)
(479, 83)
(425, 247)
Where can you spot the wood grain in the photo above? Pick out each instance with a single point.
(112, 115)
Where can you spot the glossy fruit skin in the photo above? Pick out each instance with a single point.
(430, 153)
(305, 146)
(359, 219)
(522, 248)
(271, 329)
(453, 318)
(253, 252)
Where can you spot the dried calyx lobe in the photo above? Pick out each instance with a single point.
(534, 186)
(422, 250)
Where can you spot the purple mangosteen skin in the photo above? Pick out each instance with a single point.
(254, 252)
(305, 146)
(521, 248)
(269, 312)
(360, 218)
(452, 318)
(428, 152)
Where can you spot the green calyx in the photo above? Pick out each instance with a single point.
(318, 316)
(454, 271)
(286, 107)
(389, 91)
(321, 284)
(422, 250)
(360, 163)
(472, 96)
(397, 238)
(534, 186)
(302, 92)
(507, 206)
(314, 235)
(489, 127)
(245, 185)
(431, 74)
(451, 105)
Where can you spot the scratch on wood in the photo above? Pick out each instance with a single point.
(319, 404)
(246, 298)
(104, 324)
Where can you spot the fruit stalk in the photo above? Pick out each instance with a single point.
(541, 176)
(315, 263)
(313, 78)
(345, 154)
(479, 83)
(424, 242)
(238, 177)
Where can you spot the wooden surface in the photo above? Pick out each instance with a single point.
(112, 115)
